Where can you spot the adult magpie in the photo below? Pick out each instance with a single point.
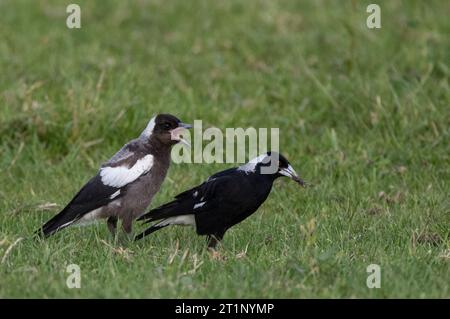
(225, 199)
(125, 185)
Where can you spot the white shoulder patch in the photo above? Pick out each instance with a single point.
(121, 175)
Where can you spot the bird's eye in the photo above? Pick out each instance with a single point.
(167, 126)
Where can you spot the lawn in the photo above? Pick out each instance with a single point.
(364, 115)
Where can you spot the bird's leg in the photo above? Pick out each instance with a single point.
(212, 242)
(112, 225)
(127, 227)
(214, 239)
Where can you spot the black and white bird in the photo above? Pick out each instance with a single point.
(224, 200)
(125, 185)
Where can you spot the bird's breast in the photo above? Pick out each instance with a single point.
(146, 186)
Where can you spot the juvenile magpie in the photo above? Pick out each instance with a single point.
(125, 185)
(225, 199)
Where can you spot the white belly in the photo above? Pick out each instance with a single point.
(186, 220)
(89, 218)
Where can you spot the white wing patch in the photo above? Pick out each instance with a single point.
(65, 225)
(121, 175)
(115, 194)
(199, 204)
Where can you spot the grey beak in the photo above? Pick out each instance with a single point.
(184, 125)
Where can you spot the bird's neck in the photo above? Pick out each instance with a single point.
(265, 178)
(157, 148)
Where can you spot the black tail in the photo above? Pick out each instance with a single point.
(62, 220)
(148, 231)
(170, 209)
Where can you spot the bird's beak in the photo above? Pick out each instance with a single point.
(176, 133)
(184, 125)
(292, 174)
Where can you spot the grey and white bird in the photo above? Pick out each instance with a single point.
(125, 185)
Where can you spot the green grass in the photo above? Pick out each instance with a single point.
(363, 114)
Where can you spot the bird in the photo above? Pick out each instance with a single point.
(223, 200)
(124, 186)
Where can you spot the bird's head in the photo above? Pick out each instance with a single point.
(274, 165)
(285, 169)
(166, 129)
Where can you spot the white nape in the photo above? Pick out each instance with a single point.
(122, 175)
(149, 129)
(251, 165)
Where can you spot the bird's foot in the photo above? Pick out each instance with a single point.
(120, 250)
(216, 255)
(125, 239)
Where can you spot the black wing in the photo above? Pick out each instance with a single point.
(96, 193)
(227, 172)
(216, 203)
(91, 196)
(188, 199)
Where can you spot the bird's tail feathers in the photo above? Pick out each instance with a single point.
(170, 209)
(150, 230)
(57, 223)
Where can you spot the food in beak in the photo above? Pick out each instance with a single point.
(292, 174)
(299, 180)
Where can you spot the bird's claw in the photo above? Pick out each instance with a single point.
(216, 255)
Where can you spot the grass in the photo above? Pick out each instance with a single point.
(363, 114)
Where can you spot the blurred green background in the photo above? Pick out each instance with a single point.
(363, 115)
